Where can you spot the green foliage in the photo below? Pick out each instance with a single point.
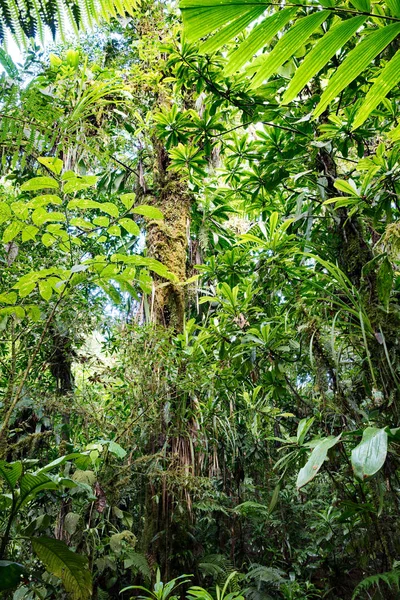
(26, 20)
(63, 563)
(231, 19)
(391, 579)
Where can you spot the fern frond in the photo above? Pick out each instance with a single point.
(26, 18)
(391, 579)
(139, 564)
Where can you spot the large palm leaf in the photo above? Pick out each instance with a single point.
(322, 28)
(28, 18)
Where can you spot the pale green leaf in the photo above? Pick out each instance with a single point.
(53, 164)
(322, 52)
(39, 183)
(258, 38)
(130, 226)
(11, 231)
(316, 460)
(151, 212)
(357, 60)
(370, 454)
(291, 41)
(387, 79)
(5, 212)
(229, 31)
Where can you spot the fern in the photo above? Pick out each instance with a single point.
(262, 581)
(139, 564)
(218, 566)
(27, 18)
(391, 579)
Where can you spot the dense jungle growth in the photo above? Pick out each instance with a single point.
(199, 299)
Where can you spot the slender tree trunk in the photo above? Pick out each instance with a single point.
(167, 241)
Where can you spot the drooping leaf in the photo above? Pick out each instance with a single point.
(11, 472)
(370, 454)
(387, 79)
(357, 60)
(229, 31)
(31, 484)
(289, 43)
(316, 460)
(321, 53)
(261, 35)
(70, 567)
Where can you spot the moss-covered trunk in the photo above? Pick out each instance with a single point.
(167, 241)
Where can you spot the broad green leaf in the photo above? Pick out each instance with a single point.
(394, 135)
(288, 44)
(357, 60)
(45, 289)
(10, 575)
(150, 263)
(116, 449)
(344, 186)
(202, 18)
(20, 210)
(388, 78)
(8, 298)
(229, 31)
(70, 567)
(114, 230)
(53, 164)
(151, 212)
(5, 212)
(362, 5)
(11, 231)
(29, 233)
(302, 429)
(44, 200)
(110, 208)
(128, 200)
(101, 221)
(71, 522)
(39, 183)
(394, 6)
(31, 484)
(322, 52)
(130, 226)
(76, 184)
(41, 216)
(83, 204)
(82, 223)
(370, 454)
(258, 38)
(316, 460)
(10, 472)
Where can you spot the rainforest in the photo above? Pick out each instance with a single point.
(199, 299)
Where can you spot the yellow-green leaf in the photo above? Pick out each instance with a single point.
(39, 183)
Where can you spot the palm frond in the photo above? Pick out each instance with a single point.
(323, 30)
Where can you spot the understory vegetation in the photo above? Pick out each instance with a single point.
(199, 310)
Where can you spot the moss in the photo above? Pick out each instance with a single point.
(167, 242)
